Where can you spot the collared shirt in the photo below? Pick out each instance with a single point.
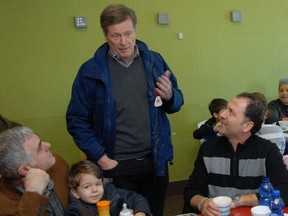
(54, 207)
(120, 61)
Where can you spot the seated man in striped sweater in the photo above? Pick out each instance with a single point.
(235, 163)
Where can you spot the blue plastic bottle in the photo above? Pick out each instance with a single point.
(265, 191)
(277, 204)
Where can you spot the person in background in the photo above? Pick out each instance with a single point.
(87, 188)
(207, 131)
(278, 109)
(117, 112)
(234, 164)
(272, 132)
(6, 124)
(33, 180)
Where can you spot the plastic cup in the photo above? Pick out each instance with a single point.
(223, 204)
(260, 211)
(103, 207)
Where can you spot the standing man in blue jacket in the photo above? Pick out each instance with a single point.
(117, 112)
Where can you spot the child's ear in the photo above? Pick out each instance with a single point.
(74, 193)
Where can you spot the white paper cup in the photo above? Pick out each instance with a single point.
(283, 125)
(260, 211)
(224, 204)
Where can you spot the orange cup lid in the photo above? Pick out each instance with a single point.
(103, 205)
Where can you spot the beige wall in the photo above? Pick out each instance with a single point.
(41, 52)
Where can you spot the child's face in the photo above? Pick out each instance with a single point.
(90, 189)
(217, 115)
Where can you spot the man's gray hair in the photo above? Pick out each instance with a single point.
(12, 152)
(283, 81)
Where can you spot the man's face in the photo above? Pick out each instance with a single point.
(233, 121)
(39, 152)
(283, 93)
(121, 38)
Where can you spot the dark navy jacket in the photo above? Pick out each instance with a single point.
(116, 196)
(91, 113)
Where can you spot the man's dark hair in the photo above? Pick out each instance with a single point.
(254, 111)
(259, 96)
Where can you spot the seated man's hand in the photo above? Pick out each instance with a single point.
(209, 208)
(36, 180)
(140, 214)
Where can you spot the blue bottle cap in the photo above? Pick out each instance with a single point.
(276, 193)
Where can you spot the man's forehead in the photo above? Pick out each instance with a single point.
(123, 26)
(239, 104)
(32, 141)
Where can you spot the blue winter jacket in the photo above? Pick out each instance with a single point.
(91, 111)
(116, 196)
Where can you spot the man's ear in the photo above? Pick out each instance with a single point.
(248, 126)
(22, 170)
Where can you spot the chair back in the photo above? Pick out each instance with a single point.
(199, 125)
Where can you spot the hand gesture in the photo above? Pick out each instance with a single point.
(217, 126)
(36, 180)
(164, 86)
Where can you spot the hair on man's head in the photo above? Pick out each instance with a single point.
(115, 14)
(12, 152)
(254, 111)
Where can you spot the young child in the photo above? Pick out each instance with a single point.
(207, 131)
(87, 188)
